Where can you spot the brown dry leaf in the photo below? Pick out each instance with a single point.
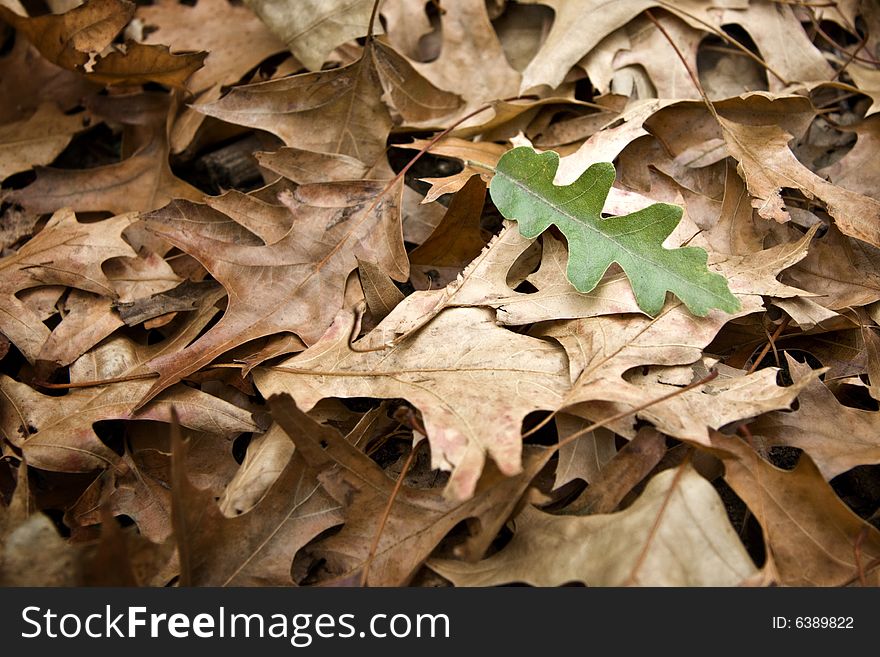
(471, 63)
(767, 165)
(855, 171)
(454, 243)
(139, 487)
(482, 283)
(691, 415)
(337, 111)
(57, 433)
(22, 529)
(313, 28)
(186, 296)
(304, 167)
(621, 474)
(380, 293)
(810, 533)
(578, 26)
(606, 145)
(65, 252)
(142, 181)
(842, 271)
(675, 534)
(416, 100)
(406, 23)
(418, 519)
(302, 275)
(868, 82)
(473, 392)
(781, 40)
(234, 38)
(16, 224)
(266, 458)
(89, 319)
(650, 49)
(68, 39)
(585, 456)
(837, 437)
(738, 230)
(136, 278)
(140, 63)
(255, 548)
(37, 139)
(478, 158)
(31, 80)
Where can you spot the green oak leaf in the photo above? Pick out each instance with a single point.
(523, 190)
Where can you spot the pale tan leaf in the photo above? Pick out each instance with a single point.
(810, 533)
(837, 437)
(675, 534)
(65, 252)
(473, 391)
(313, 28)
(767, 165)
(36, 140)
(418, 519)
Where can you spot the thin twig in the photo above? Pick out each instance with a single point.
(771, 343)
(724, 36)
(387, 513)
(687, 67)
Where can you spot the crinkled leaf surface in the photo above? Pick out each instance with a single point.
(523, 189)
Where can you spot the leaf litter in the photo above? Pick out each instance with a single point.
(445, 294)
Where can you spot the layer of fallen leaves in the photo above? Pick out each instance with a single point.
(242, 346)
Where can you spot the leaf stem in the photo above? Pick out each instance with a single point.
(631, 411)
(387, 513)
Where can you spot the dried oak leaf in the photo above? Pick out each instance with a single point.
(140, 63)
(142, 181)
(688, 416)
(856, 170)
(57, 433)
(234, 38)
(340, 110)
(37, 139)
(68, 39)
(87, 319)
(472, 62)
(312, 29)
(33, 80)
(301, 276)
(837, 437)
(675, 534)
(65, 252)
(578, 26)
(473, 381)
(257, 547)
(418, 519)
(812, 536)
(267, 456)
(841, 271)
(767, 164)
(456, 241)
